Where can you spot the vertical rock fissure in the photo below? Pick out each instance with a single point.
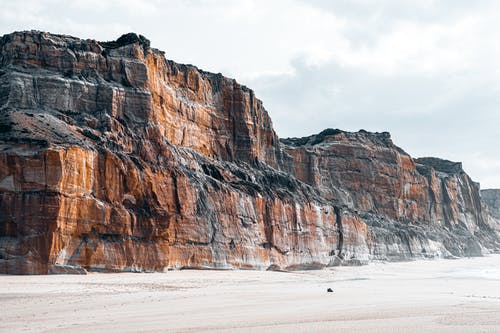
(478, 209)
(177, 201)
(340, 230)
(268, 227)
(447, 215)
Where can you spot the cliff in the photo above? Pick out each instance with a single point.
(113, 158)
(491, 207)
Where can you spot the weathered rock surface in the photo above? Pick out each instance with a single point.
(426, 207)
(113, 158)
(491, 202)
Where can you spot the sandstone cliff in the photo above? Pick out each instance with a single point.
(113, 158)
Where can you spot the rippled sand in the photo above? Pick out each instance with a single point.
(423, 296)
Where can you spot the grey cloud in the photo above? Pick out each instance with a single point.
(368, 20)
(448, 117)
(390, 10)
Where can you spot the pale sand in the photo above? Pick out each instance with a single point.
(422, 296)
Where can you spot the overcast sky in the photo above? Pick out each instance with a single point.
(427, 71)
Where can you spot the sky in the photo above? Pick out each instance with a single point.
(426, 71)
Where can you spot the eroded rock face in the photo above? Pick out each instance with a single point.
(491, 202)
(113, 158)
(413, 208)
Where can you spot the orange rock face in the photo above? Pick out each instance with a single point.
(113, 158)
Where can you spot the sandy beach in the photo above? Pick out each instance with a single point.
(421, 296)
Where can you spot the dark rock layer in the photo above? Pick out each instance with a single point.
(113, 158)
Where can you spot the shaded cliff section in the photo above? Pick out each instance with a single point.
(113, 158)
(491, 207)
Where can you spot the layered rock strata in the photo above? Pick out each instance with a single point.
(113, 158)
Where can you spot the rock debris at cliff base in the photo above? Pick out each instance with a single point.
(113, 158)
